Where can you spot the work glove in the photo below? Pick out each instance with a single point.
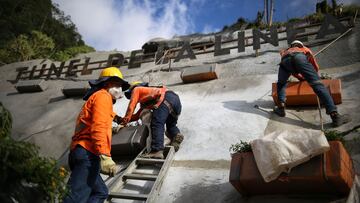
(117, 119)
(124, 121)
(117, 128)
(107, 165)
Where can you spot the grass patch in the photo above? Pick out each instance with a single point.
(240, 147)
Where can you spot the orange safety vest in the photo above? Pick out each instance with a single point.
(94, 124)
(148, 97)
(304, 50)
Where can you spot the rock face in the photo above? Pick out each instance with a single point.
(215, 114)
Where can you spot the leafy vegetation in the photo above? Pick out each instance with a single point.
(338, 10)
(240, 147)
(33, 29)
(331, 135)
(71, 52)
(24, 173)
(334, 135)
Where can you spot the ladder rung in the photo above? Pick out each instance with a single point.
(140, 177)
(121, 195)
(149, 161)
(144, 172)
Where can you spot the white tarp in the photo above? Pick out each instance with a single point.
(354, 196)
(280, 151)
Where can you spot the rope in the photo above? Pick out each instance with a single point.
(343, 34)
(317, 53)
(321, 118)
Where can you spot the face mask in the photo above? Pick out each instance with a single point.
(116, 92)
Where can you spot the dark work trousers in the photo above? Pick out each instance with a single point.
(161, 117)
(298, 63)
(85, 183)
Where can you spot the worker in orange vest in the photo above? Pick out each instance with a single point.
(91, 143)
(166, 108)
(299, 61)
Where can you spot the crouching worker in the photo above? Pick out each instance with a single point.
(91, 143)
(299, 61)
(166, 108)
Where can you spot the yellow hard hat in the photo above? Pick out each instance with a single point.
(111, 72)
(133, 85)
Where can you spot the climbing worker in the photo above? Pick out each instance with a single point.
(166, 108)
(299, 61)
(91, 143)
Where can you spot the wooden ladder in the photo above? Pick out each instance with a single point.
(149, 172)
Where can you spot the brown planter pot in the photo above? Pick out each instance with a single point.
(331, 173)
(199, 74)
(301, 93)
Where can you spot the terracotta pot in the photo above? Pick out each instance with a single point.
(331, 173)
(301, 93)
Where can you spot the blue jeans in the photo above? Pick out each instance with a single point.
(298, 63)
(85, 183)
(161, 117)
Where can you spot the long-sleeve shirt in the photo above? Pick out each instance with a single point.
(304, 50)
(94, 124)
(148, 97)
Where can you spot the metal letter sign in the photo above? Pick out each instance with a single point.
(273, 39)
(324, 29)
(134, 59)
(330, 25)
(119, 60)
(241, 41)
(291, 33)
(190, 53)
(218, 51)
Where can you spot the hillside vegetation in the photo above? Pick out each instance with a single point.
(321, 9)
(32, 29)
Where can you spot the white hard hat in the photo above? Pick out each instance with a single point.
(297, 42)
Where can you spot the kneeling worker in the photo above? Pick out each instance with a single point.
(91, 143)
(166, 108)
(299, 61)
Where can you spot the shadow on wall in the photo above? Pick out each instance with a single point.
(56, 99)
(208, 193)
(264, 105)
(350, 77)
(225, 192)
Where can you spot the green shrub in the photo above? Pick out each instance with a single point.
(24, 172)
(240, 147)
(72, 52)
(334, 135)
(5, 122)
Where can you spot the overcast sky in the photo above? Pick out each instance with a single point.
(126, 25)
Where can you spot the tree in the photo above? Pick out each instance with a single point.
(268, 12)
(72, 52)
(20, 48)
(24, 47)
(266, 17)
(18, 20)
(41, 44)
(259, 17)
(334, 6)
(271, 12)
(25, 175)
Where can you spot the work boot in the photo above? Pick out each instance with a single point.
(176, 141)
(155, 155)
(338, 120)
(280, 110)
